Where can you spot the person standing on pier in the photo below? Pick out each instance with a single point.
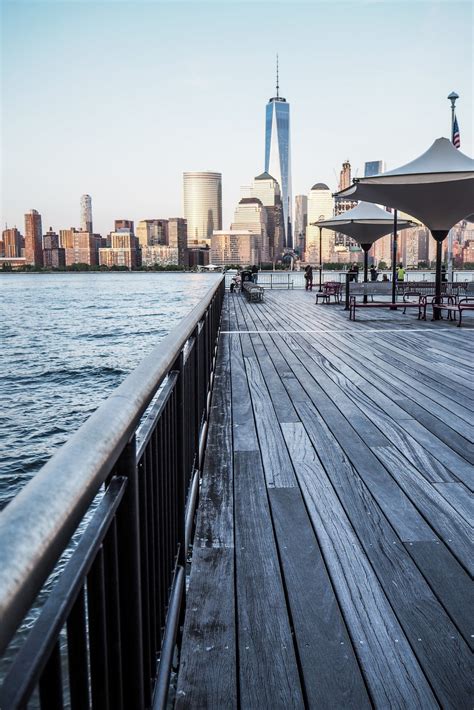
(308, 275)
(400, 273)
(254, 273)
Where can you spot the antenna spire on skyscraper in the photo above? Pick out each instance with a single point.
(278, 86)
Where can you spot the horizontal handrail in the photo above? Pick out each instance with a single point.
(37, 525)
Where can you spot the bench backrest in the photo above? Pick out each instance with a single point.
(372, 288)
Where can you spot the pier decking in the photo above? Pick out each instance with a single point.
(332, 558)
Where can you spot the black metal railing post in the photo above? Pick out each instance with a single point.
(128, 538)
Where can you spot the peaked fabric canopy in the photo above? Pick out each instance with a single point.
(365, 223)
(437, 187)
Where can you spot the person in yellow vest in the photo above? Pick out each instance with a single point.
(400, 273)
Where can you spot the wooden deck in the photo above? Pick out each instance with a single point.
(333, 554)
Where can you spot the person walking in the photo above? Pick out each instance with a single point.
(254, 273)
(400, 273)
(308, 275)
(373, 273)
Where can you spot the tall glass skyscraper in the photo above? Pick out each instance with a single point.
(202, 206)
(278, 156)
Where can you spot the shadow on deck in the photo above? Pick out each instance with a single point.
(332, 553)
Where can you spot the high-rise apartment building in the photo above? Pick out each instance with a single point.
(152, 232)
(53, 255)
(178, 237)
(86, 213)
(251, 215)
(80, 247)
(12, 243)
(33, 238)
(374, 167)
(237, 247)
(301, 222)
(202, 193)
(320, 206)
(345, 175)
(278, 155)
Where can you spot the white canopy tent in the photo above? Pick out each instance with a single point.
(365, 224)
(437, 188)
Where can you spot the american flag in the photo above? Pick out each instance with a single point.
(456, 135)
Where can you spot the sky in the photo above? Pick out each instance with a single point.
(118, 99)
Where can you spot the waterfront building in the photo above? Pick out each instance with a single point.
(178, 237)
(202, 195)
(12, 243)
(152, 232)
(33, 238)
(197, 256)
(234, 246)
(301, 222)
(122, 239)
(54, 256)
(159, 255)
(80, 247)
(320, 206)
(278, 155)
(374, 167)
(86, 213)
(468, 252)
(118, 256)
(251, 215)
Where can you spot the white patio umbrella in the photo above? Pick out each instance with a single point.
(365, 223)
(437, 188)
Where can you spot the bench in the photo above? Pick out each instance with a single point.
(420, 303)
(453, 306)
(252, 291)
(330, 288)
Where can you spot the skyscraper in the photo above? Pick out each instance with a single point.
(202, 194)
(11, 243)
(86, 213)
(33, 238)
(277, 154)
(320, 206)
(301, 221)
(267, 190)
(251, 215)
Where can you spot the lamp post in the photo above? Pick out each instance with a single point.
(321, 216)
(452, 97)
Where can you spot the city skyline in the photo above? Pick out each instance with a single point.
(123, 126)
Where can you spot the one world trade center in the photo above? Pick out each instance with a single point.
(278, 156)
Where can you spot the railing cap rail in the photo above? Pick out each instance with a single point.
(38, 523)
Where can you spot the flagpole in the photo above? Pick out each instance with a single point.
(452, 97)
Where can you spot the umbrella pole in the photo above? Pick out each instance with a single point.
(366, 248)
(439, 235)
(394, 257)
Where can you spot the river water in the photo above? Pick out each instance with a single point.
(67, 340)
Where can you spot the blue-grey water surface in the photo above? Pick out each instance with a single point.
(67, 340)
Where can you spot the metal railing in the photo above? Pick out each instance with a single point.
(106, 634)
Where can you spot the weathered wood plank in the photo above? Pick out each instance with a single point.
(208, 667)
(449, 581)
(276, 462)
(207, 674)
(331, 673)
(459, 497)
(243, 426)
(442, 517)
(268, 668)
(380, 641)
